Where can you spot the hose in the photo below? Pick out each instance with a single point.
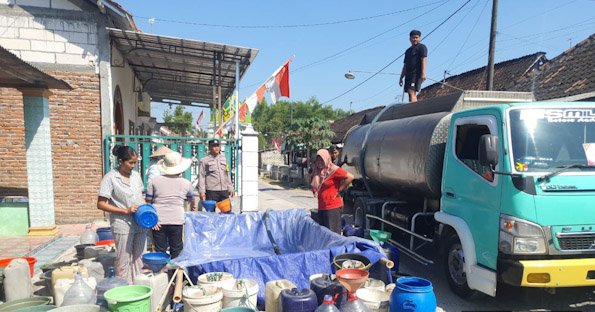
(269, 234)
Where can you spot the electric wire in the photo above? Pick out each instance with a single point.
(468, 35)
(395, 59)
(289, 25)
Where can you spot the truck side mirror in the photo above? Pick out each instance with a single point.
(488, 150)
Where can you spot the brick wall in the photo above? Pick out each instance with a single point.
(76, 146)
(13, 170)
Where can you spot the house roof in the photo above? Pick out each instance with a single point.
(341, 126)
(182, 69)
(16, 73)
(505, 73)
(570, 75)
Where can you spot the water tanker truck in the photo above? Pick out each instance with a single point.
(494, 186)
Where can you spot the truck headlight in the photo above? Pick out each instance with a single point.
(520, 237)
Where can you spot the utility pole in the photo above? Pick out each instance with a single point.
(490, 79)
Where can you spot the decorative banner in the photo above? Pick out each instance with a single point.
(229, 108)
(199, 119)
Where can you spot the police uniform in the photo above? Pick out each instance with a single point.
(214, 179)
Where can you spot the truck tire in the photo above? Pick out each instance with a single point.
(454, 269)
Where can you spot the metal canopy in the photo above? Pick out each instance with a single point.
(189, 71)
(16, 73)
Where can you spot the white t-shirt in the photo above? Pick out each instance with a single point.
(168, 194)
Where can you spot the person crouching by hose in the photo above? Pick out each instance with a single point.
(120, 194)
(167, 192)
(328, 181)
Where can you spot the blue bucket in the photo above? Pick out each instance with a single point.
(412, 294)
(209, 205)
(104, 233)
(145, 216)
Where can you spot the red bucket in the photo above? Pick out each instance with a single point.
(4, 263)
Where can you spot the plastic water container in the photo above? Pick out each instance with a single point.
(157, 281)
(67, 272)
(353, 304)
(112, 281)
(79, 293)
(325, 285)
(219, 279)
(145, 216)
(62, 286)
(412, 294)
(327, 305)
(294, 300)
(272, 291)
(242, 294)
(89, 236)
(17, 280)
(104, 233)
(129, 298)
(202, 299)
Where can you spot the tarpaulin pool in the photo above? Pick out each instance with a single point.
(240, 245)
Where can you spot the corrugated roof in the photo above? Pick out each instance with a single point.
(505, 74)
(182, 69)
(16, 73)
(570, 74)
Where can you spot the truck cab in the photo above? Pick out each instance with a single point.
(517, 197)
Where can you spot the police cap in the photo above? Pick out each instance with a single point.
(213, 142)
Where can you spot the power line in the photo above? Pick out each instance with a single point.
(394, 60)
(468, 35)
(454, 28)
(290, 25)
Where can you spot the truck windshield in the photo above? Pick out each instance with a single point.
(548, 138)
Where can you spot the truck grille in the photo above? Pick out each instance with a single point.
(577, 242)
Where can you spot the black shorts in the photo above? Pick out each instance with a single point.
(412, 83)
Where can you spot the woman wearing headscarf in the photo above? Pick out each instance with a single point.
(328, 181)
(120, 194)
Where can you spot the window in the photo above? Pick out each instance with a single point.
(467, 145)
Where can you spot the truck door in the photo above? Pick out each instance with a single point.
(471, 191)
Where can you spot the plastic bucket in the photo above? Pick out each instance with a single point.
(202, 299)
(133, 298)
(81, 308)
(243, 294)
(413, 294)
(224, 205)
(145, 216)
(219, 279)
(24, 303)
(104, 233)
(30, 260)
(41, 308)
(209, 205)
(375, 300)
(345, 261)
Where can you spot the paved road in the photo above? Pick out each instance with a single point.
(508, 299)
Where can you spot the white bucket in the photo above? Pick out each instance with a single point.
(202, 299)
(389, 288)
(242, 294)
(374, 300)
(220, 279)
(373, 283)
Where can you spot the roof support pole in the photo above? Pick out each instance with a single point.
(214, 81)
(237, 103)
(219, 57)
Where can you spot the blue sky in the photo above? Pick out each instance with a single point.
(365, 36)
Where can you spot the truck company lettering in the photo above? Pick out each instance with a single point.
(560, 115)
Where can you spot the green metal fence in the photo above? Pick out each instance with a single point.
(189, 147)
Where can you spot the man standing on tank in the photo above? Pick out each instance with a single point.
(414, 67)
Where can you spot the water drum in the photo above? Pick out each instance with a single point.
(104, 233)
(294, 300)
(273, 291)
(412, 294)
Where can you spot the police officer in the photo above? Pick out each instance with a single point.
(214, 181)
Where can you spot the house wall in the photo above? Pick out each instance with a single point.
(123, 76)
(61, 40)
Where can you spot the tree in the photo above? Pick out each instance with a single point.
(311, 134)
(179, 121)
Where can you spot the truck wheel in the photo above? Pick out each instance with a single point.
(359, 212)
(454, 268)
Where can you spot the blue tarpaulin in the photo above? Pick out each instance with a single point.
(240, 245)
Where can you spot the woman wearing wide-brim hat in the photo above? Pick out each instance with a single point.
(156, 156)
(167, 192)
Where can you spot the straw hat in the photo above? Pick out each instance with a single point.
(173, 163)
(160, 152)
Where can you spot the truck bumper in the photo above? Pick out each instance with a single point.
(548, 273)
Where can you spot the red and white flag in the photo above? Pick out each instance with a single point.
(199, 119)
(278, 83)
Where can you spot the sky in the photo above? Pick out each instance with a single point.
(331, 37)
